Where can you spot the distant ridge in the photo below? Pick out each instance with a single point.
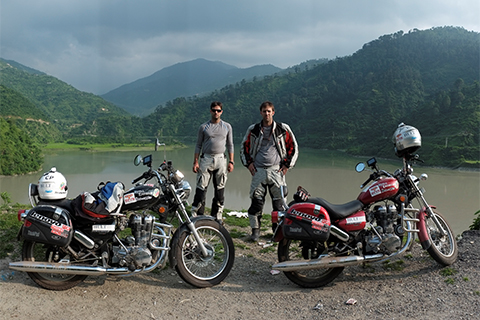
(186, 79)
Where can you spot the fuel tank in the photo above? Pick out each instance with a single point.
(379, 190)
(140, 197)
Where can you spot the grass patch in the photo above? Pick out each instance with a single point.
(448, 272)
(9, 227)
(234, 221)
(268, 249)
(398, 265)
(368, 267)
(242, 246)
(235, 234)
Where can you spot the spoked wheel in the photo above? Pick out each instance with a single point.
(205, 271)
(291, 250)
(33, 251)
(443, 247)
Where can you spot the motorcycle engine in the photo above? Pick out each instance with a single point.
(385, 236)
(134, 253)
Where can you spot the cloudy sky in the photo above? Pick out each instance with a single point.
(98, 45)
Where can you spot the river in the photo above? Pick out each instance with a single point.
(326, 174)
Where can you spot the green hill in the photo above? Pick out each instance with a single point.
(66, 106)
(18, 151)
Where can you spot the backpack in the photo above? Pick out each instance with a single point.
(104, 203)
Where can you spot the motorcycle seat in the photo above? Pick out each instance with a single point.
(62, 203)
(338, 211)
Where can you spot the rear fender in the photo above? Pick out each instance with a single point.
(278, 235)
(175, 245)
(422, 228)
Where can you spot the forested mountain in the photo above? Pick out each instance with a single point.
(23, 129)
(18, 152)
(191, 78)
(60, 102)
(23, 114)
(356, 102)
(14, 104)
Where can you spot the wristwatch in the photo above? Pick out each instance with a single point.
(231, 162)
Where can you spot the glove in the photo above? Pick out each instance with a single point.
(301, 194)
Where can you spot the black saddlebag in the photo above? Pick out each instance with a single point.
(48, 224)
(306, 221)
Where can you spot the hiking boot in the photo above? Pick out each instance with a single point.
(255, 235)
(193, 211)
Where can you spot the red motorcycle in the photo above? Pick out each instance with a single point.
(317, 239)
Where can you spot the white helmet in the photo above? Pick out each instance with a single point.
(52, 186)
(407, 140)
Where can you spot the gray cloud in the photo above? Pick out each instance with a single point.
(97, 46)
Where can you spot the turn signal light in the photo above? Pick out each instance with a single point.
(274, 216)
(19, 215)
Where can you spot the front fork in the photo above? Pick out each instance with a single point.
(426, 211)
(188, 222)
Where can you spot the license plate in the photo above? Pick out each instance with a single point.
(103, 227)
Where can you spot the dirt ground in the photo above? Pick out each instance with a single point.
(421, 290)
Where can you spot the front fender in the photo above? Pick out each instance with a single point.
(422, 228)
(176, 236)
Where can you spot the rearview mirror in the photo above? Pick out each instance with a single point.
(360, 167)
(138, 159)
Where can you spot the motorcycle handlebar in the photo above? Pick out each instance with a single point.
(365, 183)
(145, 175)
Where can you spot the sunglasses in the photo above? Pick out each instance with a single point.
(216, 110)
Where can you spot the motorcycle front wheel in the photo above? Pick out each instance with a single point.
(443, 248)
(33, 251)
(291, 250)
(205, 271)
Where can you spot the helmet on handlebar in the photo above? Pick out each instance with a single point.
(407, 140)
(52, 185)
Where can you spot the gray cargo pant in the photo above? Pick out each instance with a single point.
(212, 167)
(265, 178)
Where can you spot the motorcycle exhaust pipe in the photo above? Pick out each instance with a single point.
(62, 268)
(325, 262)
(340, 234)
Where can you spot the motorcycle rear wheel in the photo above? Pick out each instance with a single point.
(201, 271)
(290, 250)
(33, 251)
(443, 249)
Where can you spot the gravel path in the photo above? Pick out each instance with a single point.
(421, 290)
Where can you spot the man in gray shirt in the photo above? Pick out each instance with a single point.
(214, 137)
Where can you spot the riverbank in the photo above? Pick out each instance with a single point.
(107, 147)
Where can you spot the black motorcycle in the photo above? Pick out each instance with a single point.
(63, 242)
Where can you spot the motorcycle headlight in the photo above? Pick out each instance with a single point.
(186, 189)
(177, 176)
